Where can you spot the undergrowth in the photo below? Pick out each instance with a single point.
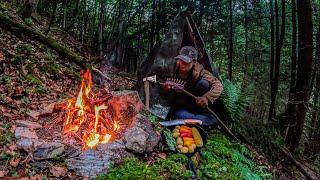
(172, 167)
(220, 159)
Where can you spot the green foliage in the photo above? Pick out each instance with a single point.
(50, 67)
(24, 49)
(25, 100)
(33, 80)
(225, 160)
(18, 60)
(4, 79)
(31, 62)
(234, 101)
(6, 136)
(171, 142)
(173, 167)
(29, 21)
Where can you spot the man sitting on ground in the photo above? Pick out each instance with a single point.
(199, 82)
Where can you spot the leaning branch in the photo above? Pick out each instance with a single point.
(17, 27)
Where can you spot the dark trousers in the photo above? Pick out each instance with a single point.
(195, 112)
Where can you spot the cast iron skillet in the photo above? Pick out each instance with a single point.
(204, 137)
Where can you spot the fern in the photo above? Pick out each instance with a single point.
(234, 100)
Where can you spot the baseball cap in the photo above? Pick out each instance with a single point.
(187, 54)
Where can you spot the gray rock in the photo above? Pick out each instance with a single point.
(28, 144)
(90, 163)
(49, 150)
(136, 139)
(153, 137)
(23, 132)
(152, 141)
(28, 124)
(116, 150)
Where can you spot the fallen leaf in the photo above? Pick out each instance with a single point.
(1, 56)
(12, 147)
(163, 155)
(58, 171)
(14, 162)
(3, 173)
(24, 178)
(48, 109)
(36, 177)
(34, 114)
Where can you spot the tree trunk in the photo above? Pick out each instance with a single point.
(54, 9)
(272, 103)
(305, 53)
(153, 24)
(230, 49)
(101, 27)
(64, 15)
(314, 134)
(29, 8)
(201, 12)
(293, 50)
(279, 43)
(245, 63)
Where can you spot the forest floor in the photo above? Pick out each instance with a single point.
(33, 76)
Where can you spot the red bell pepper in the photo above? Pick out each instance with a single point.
(185, 134)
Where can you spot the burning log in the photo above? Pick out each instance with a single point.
(96, 119)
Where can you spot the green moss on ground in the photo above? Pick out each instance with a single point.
(172, 167)
(223, 159)
(220, 159)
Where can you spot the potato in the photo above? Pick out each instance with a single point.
(184, 150)
(175, 134)
(176, 130)
(177, 127)
(180, 146)
(190, 150)
(193, 146)
(179, 141)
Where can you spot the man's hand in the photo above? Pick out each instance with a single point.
(202, 102)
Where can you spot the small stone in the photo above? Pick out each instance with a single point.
(28, 124)
(49, 150)
(23, 132)
(136, 139)
(28, 144)
(48, 109)
(58, 171)
(34, 114)
(41, 164)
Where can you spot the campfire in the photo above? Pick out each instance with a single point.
(99, 126)
(89, 118)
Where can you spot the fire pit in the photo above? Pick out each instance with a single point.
(92, 119)
(90, 131)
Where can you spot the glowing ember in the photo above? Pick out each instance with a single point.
(87, 117)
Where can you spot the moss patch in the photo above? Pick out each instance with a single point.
(172, 167)
(220, 159)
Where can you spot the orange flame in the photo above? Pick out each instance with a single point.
(86, 116)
